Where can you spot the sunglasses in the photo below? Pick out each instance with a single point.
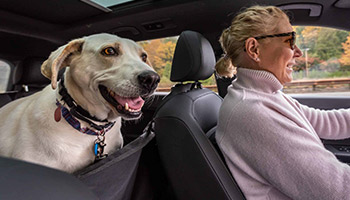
(291, 41)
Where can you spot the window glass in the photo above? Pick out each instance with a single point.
(5, 70)
(160, 53)
(325, 64)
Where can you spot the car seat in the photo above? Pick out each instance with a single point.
(185, 120)
(27, 77)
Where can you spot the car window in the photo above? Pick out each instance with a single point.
(160, 53)
(325, 64)
(5, 70)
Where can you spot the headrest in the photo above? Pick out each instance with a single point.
(28, 72)
(194, 58)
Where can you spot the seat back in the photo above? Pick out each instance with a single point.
(185, 120)
(28, 78)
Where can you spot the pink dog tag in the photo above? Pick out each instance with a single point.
(58, 114)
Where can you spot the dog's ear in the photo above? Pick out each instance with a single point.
(60, 59)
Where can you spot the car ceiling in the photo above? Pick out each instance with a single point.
(37, 27)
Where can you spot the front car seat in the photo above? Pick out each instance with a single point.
(185, 120)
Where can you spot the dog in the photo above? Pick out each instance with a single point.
(76, 120)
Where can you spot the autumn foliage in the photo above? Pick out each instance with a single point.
(345, 58)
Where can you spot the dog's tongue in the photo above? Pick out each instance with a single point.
(134, 103)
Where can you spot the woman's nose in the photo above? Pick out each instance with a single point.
(297, 52)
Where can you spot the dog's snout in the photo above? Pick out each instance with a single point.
(149, 80)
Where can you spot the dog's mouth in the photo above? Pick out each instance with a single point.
(129, 107)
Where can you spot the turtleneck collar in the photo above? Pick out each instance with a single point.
(258, 80)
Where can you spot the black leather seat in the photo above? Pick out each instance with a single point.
(185, 120)
(28, 78)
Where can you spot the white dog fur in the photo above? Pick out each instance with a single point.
(28, 130)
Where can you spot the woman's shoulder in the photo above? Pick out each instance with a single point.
(253, 104)
(244, 104)
(248, 97)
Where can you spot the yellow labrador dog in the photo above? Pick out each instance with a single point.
(77, 119)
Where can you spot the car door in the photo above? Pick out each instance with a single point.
(340, 148)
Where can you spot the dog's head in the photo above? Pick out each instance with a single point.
(107, 75)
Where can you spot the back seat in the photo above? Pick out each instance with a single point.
(27, 77)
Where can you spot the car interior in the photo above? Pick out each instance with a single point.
(182, 161)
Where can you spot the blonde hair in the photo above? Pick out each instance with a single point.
(224, 68)
(251, 22)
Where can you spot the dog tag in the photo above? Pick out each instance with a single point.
(58, 114)
(98, 150)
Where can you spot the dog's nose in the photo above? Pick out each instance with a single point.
(149, 80)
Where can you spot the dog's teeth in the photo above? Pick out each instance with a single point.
(126, 106)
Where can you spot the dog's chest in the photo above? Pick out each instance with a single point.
(76, 150)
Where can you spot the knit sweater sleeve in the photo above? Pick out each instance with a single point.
(268, 146)
(328, 124)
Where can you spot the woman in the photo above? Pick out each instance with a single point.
(270, 142)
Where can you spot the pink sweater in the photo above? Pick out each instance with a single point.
(272, 144)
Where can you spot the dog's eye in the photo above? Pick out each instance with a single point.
(144, 57)
(109, 51)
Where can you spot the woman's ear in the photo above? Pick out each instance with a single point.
(252, 48)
